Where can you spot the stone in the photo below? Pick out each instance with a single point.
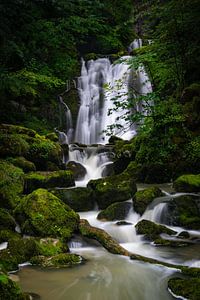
(187, 183)
(116, 211)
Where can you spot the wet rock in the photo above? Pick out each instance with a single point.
(187, 183)
(79, 199)
(11, 184)
(6, 220)
(57, 261)
(22, 163)
(41, 213)
(108, 190)
(123, 223)
(184, 235)
(116, 211)
(6, 235)
(102, 237)
(151, 230)
(62, 178)
(78, 170)
(184, 211)
(143, 198)
(188, 288)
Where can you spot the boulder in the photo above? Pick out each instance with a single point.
(6, 235)
(143, 198)
(116, 211)
(108, 190)
(11, 184)
(185, 288)
(22, 163)
(35, 180)
(187, 183)
(184, 211)
(41, 213)
(151, 230)
(102, 237)
(6, 220)
(78, 170)
(79, 199)
(57, 261)
(13, 145)
(9, 290)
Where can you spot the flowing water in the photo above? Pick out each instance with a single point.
(105, 276)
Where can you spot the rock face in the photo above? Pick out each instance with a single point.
(11, 184)
(116, 211)
(79, 199)
(37, 180)
(143, 198)
(78, 170)
(184, 211)
(187, 183)
(41, 213)
(102, 237)
(112, 189)
(152, 230)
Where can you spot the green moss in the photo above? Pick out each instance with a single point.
(116, 211)
(187, 183)
(44, 214)
(50, 247)
(151, 230)
(13, 145)
(143, 198)
(112, 189)
(6, 235)
(11, 184)
(187, 288)
(184, 211)
(14, 129)
(9, 290)
(79, 199)
(6, 220)
(37, 180)
(57, 261)
(22, 163)
(52, 136)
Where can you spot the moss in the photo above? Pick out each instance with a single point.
(52, 136)
(184, 211)
(116, 211)
(22, 163)
(187, 183)
(57, 261)
(14, 129)
(187, 288)
(79, 199)
(102, 237)
(50, 246)
(44, 214)
(37, 180)
(6, 220)
(11, 184)
(6, 235)
(143, 198)
(112, 189)
(9, 290)
(170, 243)
(151, 230)
(13, 145)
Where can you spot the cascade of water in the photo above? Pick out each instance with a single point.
(69, 124)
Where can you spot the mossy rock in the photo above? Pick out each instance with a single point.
(116, 211)
(187, 288)
(62, 178)
(46, 215)
(13, 145)
(143, 198)
(187, 183)
(170, 243)
(15, 129)
(78, 170)
(43, 150)
(22, 163)
(9, 290)
(57, 261)
(184, 211)
(102, 237)
(6, 235)
(151, 230)
(79, 199)
(52, 136)
(6, 220)
(50, 246)
(11, 184)
(108, 190)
